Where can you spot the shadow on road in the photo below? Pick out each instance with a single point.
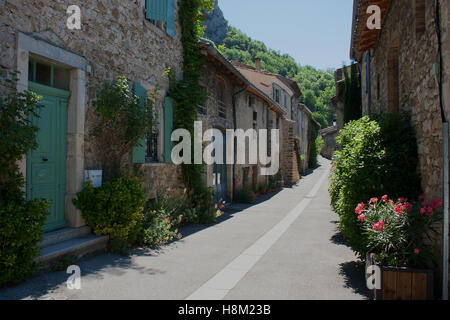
(353, 273)
(45, 283)
(229, 211)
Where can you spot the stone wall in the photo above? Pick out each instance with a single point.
(210, 117)
(301, 128)
(417, 59)
(115, 39)
(288, 155)
(329, 138)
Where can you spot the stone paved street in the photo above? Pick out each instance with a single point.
(285, 247)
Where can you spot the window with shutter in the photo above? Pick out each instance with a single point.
(168, 128)
(162, 14)
(139, 149)
(170, 22)
(156, 10)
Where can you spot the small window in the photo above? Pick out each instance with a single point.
(202, 109)
(277, 95)
(251, 100)
(151, 150)
(220, 89)
(48, 74)
(161, 13)
(420, 6)
(43, 74)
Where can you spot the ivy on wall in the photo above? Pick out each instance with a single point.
(188, 95)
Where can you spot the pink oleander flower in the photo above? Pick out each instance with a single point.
(416, 251)
(361, 217)
(421, 197)
(378, 226)
(373, 200)
(408, 206)
(429, 211)
(384, 198)
(399, 209)
(436, 203)
(401, 200)
(359, 209)
(423, 211)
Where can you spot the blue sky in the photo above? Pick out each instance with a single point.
(314, 32)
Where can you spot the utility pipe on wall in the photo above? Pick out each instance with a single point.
(445, 158)
(445, 241)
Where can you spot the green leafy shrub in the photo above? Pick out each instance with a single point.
(367, 164)
(275, 181)
(396, 231)
(160, 228)
(262, 188)
(21, 221)
(121, 122)
(312, 147)
(319, 145)
(116, 208)
(245, 196)
(174, 205)
(21, 228)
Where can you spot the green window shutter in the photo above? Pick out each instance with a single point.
(170, 22)
(274, 93)
(156, 10)
(139, 148)
(168, 128)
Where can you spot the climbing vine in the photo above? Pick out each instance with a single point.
(188, 95)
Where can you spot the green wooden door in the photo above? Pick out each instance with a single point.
(46, 165)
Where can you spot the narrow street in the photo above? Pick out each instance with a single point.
(284, 247)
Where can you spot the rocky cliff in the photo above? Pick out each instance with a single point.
(217, 26)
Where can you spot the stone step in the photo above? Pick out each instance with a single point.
(77, 247)
(61, 235)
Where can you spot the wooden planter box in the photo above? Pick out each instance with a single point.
(406, 284)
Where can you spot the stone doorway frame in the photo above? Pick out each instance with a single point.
(26, 45)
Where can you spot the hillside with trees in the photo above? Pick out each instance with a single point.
(317, 85)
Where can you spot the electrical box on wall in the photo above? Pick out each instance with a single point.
(95, 176)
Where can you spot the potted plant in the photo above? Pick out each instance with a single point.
(398, 236)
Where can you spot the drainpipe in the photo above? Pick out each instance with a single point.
(445, 144)
(235, 142)
(369, 82)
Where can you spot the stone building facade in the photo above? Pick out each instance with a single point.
(284, 93)
(405, 66)
(116, 38)
(400, 72)
(234, 103)
(67, 67)
(329, 138)
(303, 120)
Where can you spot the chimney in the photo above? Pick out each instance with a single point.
(258, 64)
